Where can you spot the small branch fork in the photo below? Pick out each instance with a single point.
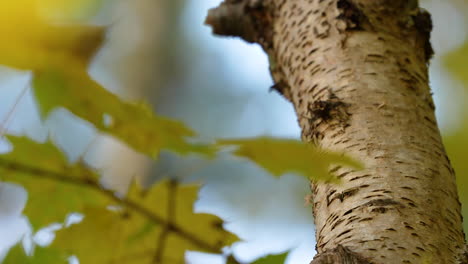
(247, 19)
(89, 182)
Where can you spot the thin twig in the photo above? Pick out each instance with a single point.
(93, 184)
(5, 122)
(171, 208)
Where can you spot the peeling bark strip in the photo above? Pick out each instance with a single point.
(356, 72)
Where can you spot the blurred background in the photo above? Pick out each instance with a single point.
(160, 51)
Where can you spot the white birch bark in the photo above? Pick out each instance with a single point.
(356, 73)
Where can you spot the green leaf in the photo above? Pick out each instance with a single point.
(456, 62)
(41, 255)
(105, 237)
(279, 156)
(55, 187)
(58, 54)
(456, 145)
(134, 236)
(29, 41)
(270, 259)
(134, 124)
(158, 198)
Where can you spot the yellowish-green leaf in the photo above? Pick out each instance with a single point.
(55, 187)
(106, 237)
(270, 259)
(70, 10)
(28, 41)
(17, 255)
(134, 124)
(457, 145)
(128, 236)
(456, 62)
(58, 54)
(169, 195)
(279, 156)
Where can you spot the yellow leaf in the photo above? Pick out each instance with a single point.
(279, 156)
(17, 255)
(28, 41)
(55, 187)
(134, 124)
(58, 54)
(162, 229)
(170, 195)
(270, 259)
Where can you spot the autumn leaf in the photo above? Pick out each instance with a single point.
(58, 54)
(29, 41)
(279, 156)
(270, 259)
(55, 187)
(134, 124)
(163, 228)
(17, 255)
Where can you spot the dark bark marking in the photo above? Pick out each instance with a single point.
(327, 110)
(382, 205)
(336, 224)
(350, 14)
(365, 219)
(339, 255)
(423, 24)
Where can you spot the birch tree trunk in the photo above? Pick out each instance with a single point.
(356, 73)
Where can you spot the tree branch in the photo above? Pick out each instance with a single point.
(89, 182)
(248, 19)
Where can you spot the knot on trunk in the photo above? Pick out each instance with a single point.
(339, 255)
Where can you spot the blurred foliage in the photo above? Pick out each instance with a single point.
(457, 142)
(280, 156)
(270, 259)
(126, 236)
(455, 62)
(134, 124)
(51, 196)
(42, 255)
(147, 225)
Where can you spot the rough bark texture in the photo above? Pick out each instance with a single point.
(356, 72)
